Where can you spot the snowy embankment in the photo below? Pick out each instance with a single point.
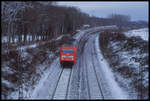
(117, 92)
(33, 59)
(127, 55)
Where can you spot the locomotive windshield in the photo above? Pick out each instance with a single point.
(67, 50)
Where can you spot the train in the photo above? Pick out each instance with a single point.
(68, 56)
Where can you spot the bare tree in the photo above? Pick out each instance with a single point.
(119, 19)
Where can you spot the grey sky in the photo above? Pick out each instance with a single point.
(137, 10)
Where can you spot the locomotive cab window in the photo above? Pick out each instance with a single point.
(67, 50)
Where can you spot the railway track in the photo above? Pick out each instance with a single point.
(105, 88)
(61, 88)
(84, 87)
(96, 74)
(73, 90)
(94, 86)
(85, 65)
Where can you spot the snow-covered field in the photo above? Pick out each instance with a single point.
(143, 33)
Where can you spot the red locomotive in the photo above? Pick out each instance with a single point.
(68, 55)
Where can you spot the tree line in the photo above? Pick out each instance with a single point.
(49, 21)
(36, 19)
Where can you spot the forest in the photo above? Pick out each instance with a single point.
(24, 22)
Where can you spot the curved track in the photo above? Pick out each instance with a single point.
(85, 80)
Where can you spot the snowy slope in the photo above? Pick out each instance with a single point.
(34, 60)
(128, 58)
(116, 90)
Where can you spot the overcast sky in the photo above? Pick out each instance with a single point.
(137, 10)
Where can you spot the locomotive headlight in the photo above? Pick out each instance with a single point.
(64, 56)
(67, 56)
(70, 56)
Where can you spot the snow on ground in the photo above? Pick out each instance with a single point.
(63, 84)
(40, 69)
(8, 70)
(43, 83)
(143, 33)
(35, 45)
(128, 58)
(58, 38)
(28, 46)
(115, 89)
(34, 91)
(84, 31)
(7, 83)
(28, 38)
(78, 35)
(4, 39)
